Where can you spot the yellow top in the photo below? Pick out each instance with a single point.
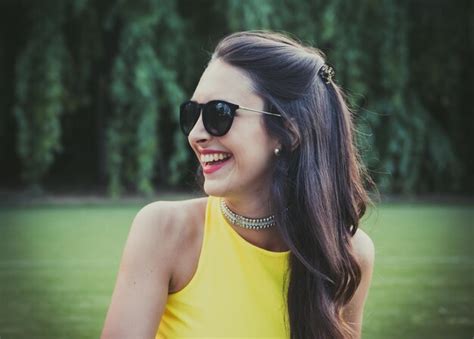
(238, 290)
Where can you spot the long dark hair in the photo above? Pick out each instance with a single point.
(317, 193)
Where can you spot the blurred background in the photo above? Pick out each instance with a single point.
(89, 96)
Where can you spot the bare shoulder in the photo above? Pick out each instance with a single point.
(186, 222)
(167, 211)
(170, 220)
(364, 249)
(159, 232)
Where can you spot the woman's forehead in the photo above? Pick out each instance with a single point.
(223, 81)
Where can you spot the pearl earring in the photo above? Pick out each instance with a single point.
(277, 151)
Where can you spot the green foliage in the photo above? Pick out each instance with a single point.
(251, 14)
(131, 63)
(39, 98)
(142, 85)
(131, 129)
(410, 142)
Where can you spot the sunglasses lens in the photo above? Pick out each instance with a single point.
(188, 115)
(218, 117)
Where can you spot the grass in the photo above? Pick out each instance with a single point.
(58, 265)
(424, 273)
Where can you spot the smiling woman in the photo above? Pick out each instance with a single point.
(274, 248)
(245, 176)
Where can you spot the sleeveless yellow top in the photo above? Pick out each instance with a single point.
(237, 291)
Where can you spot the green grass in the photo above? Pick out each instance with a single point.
(58, 265)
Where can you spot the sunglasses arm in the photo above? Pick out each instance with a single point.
(263, 112)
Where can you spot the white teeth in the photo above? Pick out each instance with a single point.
(214, 157)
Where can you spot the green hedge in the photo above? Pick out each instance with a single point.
(121, 67)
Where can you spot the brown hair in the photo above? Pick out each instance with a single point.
(317, 193)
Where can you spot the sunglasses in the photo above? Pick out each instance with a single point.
(217, 116)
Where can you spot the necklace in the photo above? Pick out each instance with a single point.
(250, 223)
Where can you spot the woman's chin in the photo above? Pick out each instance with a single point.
(214, 188)
(210, 188)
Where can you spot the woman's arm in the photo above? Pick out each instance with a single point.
(143, 279)
(365, 254)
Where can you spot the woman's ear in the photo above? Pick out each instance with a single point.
(294, 133)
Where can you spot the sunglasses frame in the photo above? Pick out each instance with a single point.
(202, 110)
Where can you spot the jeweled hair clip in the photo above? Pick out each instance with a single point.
(327, 72)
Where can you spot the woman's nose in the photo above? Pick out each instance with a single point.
(198, 132)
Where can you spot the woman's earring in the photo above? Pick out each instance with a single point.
(277, 151)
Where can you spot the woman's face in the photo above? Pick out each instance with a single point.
(247, 171)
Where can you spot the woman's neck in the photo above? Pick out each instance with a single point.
(256, 207)
(250, 207)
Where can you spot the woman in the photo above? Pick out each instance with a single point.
(274, 249)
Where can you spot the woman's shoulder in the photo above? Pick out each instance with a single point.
(179, 226)
(172, 224)
(171, 215)
(147, 270)
(169, 206)
(363, 248)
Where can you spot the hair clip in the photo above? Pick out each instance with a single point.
(327, 73)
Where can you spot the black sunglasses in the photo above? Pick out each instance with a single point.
(217, 116)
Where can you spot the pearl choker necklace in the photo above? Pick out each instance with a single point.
(250, 223)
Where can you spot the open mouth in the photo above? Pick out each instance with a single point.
(220, 161)
(213, 162)
(216, 158)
